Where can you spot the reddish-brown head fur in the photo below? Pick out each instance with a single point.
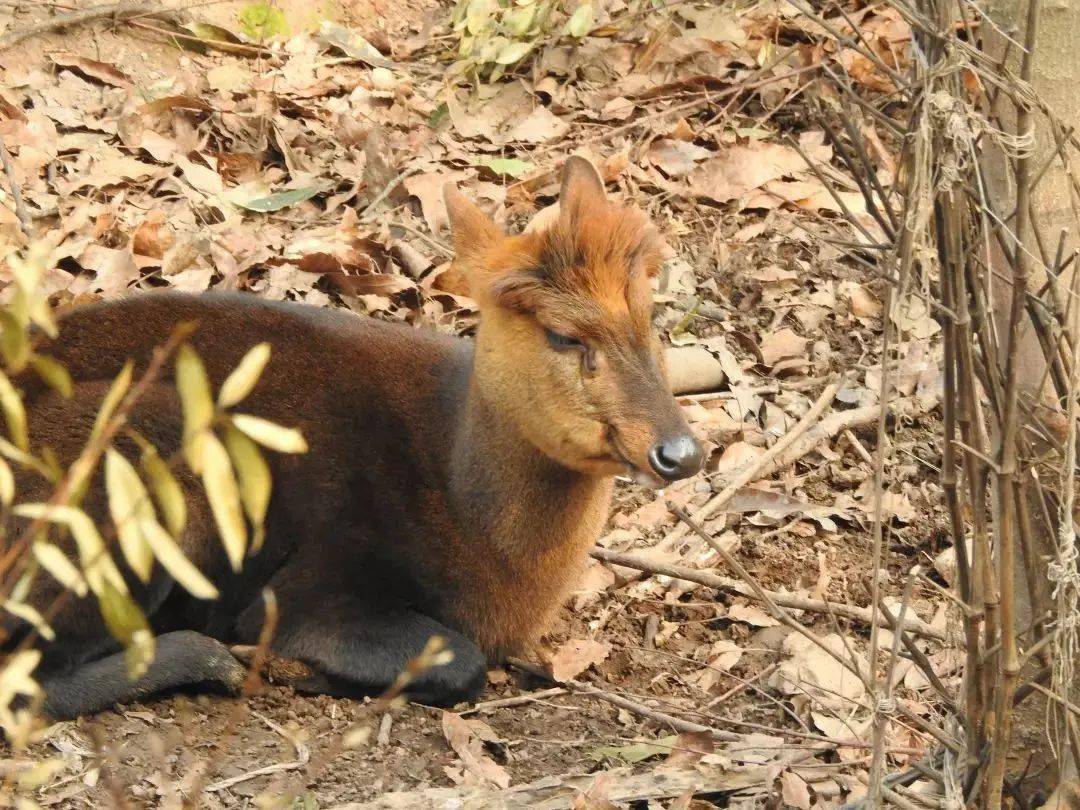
(566, 346)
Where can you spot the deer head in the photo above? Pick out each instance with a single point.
(566, 347)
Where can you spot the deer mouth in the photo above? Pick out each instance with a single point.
(640, 475)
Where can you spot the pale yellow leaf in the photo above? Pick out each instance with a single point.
(63, 570)
(268, 434)
(14, 413)
(224, 496)
(54, 374)
(173, 560)
(197, 404)
(112, 399)
(167, 490)
(254, 478)
(16, 677)
(127, 624)
(13, 453)
(244, 377)
(30, 614)
(7, 484)
(129, 506)
(98, 566)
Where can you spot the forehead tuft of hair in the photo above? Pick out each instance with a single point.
(599, 249)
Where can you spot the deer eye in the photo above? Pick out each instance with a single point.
(561, 342)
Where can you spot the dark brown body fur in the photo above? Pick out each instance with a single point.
(393, 505)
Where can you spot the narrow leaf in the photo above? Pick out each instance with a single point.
(16, 677)
(224, 496)
(510, 167)
(7, 484)
(268, 434)
(14, 413)
(276, 201)
(98, 566)
(195, 399)
(14, 341)
(112, 399)
(127, 624)
(244, 377)
(30, 615)
(13, 453)
(54, 374)
(254, 475)
(173, 560)
(129, 506)
(167, 490)
(53, 560)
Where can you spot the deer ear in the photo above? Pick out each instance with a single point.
(582, 186)
(472, 229)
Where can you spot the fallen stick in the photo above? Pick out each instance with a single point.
(811, 431)
(517, 700)
(787, 600)
(21, 211)
(217, 44)
(765, 464)
(303, 754)
(117, 10)
(563, 792)
(640, 709)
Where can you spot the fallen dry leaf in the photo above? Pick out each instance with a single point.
(101, 71)
(751, 614)
(692, 369)
(539, 126)
(428, 188)
(782, 344)
(793, 790)
(688, 749)
(676, 158)
(464, 737)
(811, 671)
(576, 656)
(739, 170)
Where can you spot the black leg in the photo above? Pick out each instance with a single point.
(184, 659)
(357, 650)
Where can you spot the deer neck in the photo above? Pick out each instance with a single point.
(507, 491)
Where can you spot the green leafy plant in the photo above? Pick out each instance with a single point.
(494, 35)
(261, 21)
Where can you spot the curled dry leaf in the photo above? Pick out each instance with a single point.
(105, 73)
(464, 737)
(692, 369)
(742, 169)
(576, 656)
(688, 749)
(794, 791)
(811, 671)
(751, 614)
(676, 158)
(782, 344)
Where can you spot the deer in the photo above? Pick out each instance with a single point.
(453, 486)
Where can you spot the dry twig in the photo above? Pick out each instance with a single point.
(117, 11)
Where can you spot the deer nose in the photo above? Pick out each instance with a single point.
(675, 458)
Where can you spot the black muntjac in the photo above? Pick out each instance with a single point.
(452, 488)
